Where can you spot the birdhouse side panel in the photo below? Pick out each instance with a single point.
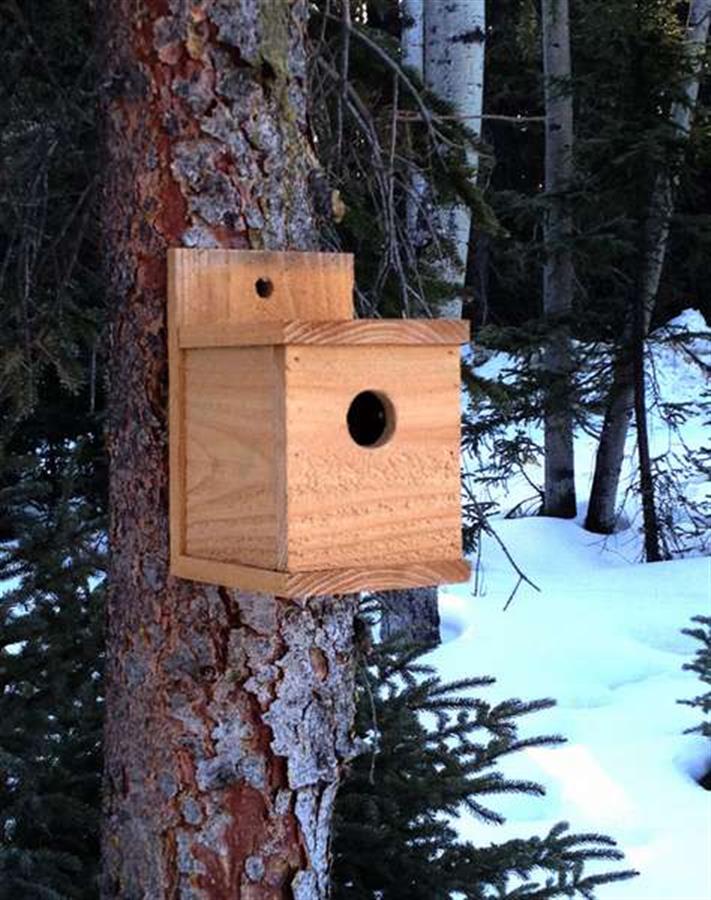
(371, 485)
(234, 445)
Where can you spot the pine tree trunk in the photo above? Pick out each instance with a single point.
(601, 513)
(559, 493)
(455, 38)
(228, 715)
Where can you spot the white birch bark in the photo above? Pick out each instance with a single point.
(608, 463)
(454, 41)
(412, 41)
(443, 42)
(412, 44)
(558, 275)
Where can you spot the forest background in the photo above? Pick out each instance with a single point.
(394, 156)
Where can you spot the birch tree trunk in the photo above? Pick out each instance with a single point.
(444, 44)
(558, 275)
(412, 42)
(228, 715)
(454, 42)
(610, 454)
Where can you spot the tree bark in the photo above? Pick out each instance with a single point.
(454, 44)
(228, 715)
(412, 43)
(646, 480)
(411, 617)
(601, 515)
(558, 275)
(444, 44)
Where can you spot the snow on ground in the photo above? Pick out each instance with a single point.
(603, 637)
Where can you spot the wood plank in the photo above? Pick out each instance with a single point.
(357, 332)
(220, 286)
(234, 440)
(315, 584)
(392, 578)
(258, 431)
(395, 500)
(232, 575)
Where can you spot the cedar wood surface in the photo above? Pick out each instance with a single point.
(251, 373)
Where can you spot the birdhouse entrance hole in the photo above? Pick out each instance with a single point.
(370, 419)
(264, 287)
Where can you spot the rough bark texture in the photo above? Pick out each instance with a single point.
(410, 616)
(601, 515)
(228, 715)
(559, 494)
(454, 44)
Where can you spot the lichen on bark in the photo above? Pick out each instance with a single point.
(228, 715)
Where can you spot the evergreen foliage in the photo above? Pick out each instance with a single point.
(429, 753)
(628, 66)
(50, 299)
(52, 467)
(50, 683)
(702, 667)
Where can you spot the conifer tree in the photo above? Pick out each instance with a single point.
(432, 750)
(627, 67)
(52, 473)
(52, 469)
(51, 684)
(702, 667)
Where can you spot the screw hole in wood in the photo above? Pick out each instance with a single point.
(264, 287)
(371, 419)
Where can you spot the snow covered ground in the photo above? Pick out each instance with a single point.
(603, 637)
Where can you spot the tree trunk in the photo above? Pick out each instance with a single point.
(646, 480)
(411, 617)
(454, 42)
(444, 44)
(412, 42)
(228, 715)
(559, 493)
(610, 454)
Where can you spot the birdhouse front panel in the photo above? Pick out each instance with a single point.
(372, 456)
(310, 453)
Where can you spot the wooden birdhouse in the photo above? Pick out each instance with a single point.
(310, 452)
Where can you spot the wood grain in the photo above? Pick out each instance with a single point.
(392, 332)
(268, 489)
(314, 584)
(350, 505)
(176, 414)
(219, 286)
(234, 427)
(206, 287)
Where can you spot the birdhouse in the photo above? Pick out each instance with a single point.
(310, 452)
